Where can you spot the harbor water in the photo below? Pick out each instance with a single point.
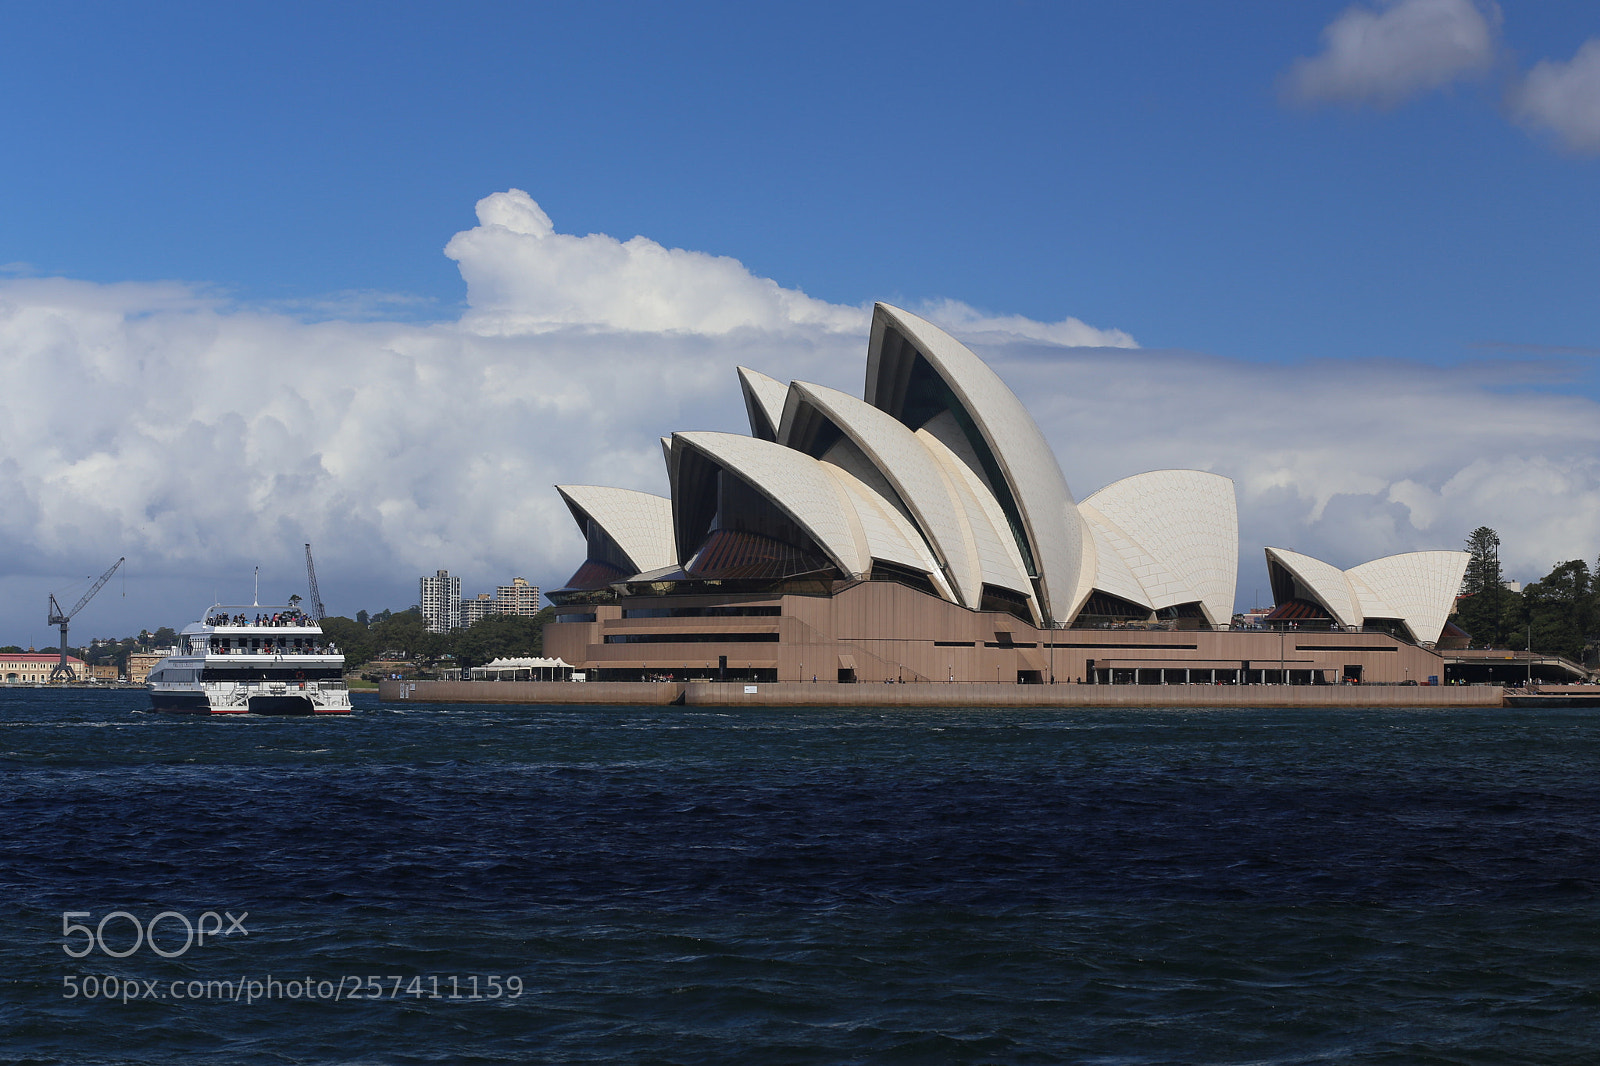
(429, 883)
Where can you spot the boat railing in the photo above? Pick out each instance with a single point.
(317, 649)
(219, 617)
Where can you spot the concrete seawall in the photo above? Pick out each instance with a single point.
(823, 694)
(611, 693)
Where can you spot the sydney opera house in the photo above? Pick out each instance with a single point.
(926, 533)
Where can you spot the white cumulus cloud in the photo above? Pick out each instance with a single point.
(1385, 55)
(958, 317)
(522, 276)
(1346, 460)
(200, 438)
(1563, 98)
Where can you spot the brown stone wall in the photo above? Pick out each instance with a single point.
(609, 693)
(976, 694)
(886, 630)
(953, 696)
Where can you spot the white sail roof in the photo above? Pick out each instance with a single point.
(1323, 582)
(998, 560)
(1109, 557)
(763, 402)
(1181, 534)
(890, 536)
(640, 523)
(910, 469)
(1419, 588)
(1033, 480)
(796, 484)
(942, 471)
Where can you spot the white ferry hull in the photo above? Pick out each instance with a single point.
(233, 663)
(288, 703)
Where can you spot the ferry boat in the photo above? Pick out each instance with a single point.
(251, 660)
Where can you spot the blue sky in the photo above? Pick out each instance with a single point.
(1162, 169)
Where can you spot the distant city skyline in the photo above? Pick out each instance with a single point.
(1342, 253)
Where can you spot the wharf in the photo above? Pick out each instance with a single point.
(1554, 696)
(934, 694)
(96, 686)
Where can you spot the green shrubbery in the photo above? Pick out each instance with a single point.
(405, 636)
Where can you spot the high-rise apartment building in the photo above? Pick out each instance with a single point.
(441, 602)
(444, 609)
(480, 607)
(519, 598)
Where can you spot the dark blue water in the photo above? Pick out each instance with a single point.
(683, 886)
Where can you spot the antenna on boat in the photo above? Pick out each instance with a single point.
(257, 602)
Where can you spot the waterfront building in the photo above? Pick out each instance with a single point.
(33, 667)
(926, 532)
(441, 602)
(140, 663)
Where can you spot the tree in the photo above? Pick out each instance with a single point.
(1591, 647)
(1485, 601)
(165, 637)
(1483, 563)
(1559, 608)
(363, 619)
(351, 638)
(500, 636)
(407, 634)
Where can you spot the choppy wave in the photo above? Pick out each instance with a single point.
(817, 886)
